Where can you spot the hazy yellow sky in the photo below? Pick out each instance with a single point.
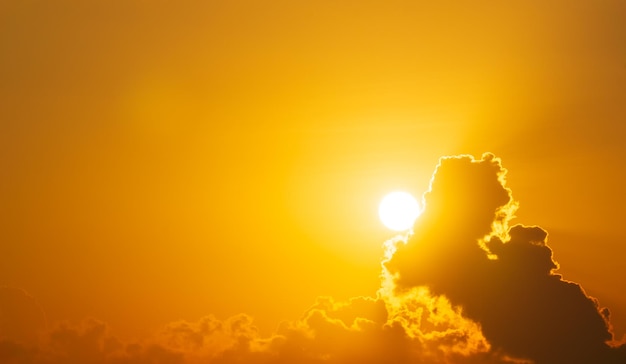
(165, 160)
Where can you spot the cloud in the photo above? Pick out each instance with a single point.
(88, 342)
(362, 330)
(21, 317)
(501, 278)
(463, 288)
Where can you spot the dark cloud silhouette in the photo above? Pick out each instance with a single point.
(501, 278)
(464, 288)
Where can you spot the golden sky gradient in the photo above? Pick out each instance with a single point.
(167, 160)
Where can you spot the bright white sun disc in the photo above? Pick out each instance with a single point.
(398, 211)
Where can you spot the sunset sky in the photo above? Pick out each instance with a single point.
(169, 162)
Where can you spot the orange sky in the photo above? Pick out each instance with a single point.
(166, 160)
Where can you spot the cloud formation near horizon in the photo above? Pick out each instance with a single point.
(464, 288)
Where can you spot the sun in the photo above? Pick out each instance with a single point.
(398, 210)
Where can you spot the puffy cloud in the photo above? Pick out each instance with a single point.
(501, 278)
(361, 330)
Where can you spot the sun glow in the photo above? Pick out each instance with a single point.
(398, 211)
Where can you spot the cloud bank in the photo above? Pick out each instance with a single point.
(462, 288)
